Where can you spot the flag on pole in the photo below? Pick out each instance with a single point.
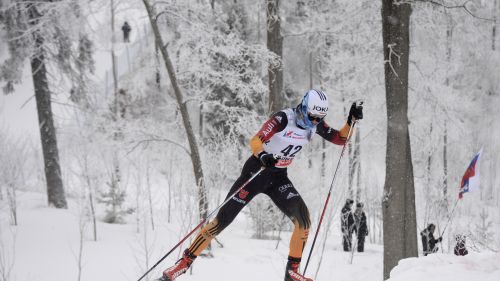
(470, 180)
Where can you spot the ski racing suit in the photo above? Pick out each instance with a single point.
(282, 137)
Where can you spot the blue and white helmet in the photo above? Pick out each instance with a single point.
(314, 106)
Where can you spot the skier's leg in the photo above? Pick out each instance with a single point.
(224, 217)
(226, 214)
(289, 201)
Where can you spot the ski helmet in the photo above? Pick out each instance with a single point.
(314, 106)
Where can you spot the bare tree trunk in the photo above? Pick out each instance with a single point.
(81, 232)
(116, 173)
(275, 45)
(113, 56)
(357, 164)
(494, 28)
(92, 212)
(91, 197)
(400, 230)
(354, 169)
(428, 202)
(12, 200)
(449, 43)
(150, 197)
(195, 155)
(445, 166)
(55, 189)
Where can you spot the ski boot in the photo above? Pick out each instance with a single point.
(180, 267)
(292, 272)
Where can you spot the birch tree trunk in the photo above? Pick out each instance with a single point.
(275, 45)
(398, 205)
(195, 155)
(55, 189)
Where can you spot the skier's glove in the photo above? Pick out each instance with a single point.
(267, 159)
(440, 239)
(355, 112)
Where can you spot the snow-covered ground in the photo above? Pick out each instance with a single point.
(442, 267)
(46, 244)
(47, 248)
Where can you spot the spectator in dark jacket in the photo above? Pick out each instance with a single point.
(126, 32)
(428, 240)
(460, 249)
(347, 224)
(361, 226)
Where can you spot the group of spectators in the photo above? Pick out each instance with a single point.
(354, 222)
(429, 242)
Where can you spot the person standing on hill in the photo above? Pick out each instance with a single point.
(126, 32)
(460, 248)
(361, 226)
(428, 240)
(347, 224)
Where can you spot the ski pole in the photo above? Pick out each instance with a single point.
(202, 222)
(450, 217)
(328, 197)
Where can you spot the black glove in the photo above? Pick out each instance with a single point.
(267, 159)
(355, 112)
(440, 239)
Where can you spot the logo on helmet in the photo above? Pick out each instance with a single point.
(319, 108)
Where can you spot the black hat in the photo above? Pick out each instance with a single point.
(359, 205)
(349, 201)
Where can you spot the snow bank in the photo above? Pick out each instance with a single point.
(445, 267)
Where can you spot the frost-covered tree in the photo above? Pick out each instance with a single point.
(275, 45)
(13, 168)
(265, 217)
(42, 32)
(212, 65)
(483, 232)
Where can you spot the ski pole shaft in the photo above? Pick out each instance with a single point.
(328, 198)
(450, 217)
(202, 222)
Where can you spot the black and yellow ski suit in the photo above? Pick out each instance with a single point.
(279, 135)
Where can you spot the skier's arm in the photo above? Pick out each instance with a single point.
(276, 123)
(332, 135)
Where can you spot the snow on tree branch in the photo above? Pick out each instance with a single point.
(464, 6)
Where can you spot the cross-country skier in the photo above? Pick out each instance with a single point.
(275, 146)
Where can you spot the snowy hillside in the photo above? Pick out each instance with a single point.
(45, 246)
